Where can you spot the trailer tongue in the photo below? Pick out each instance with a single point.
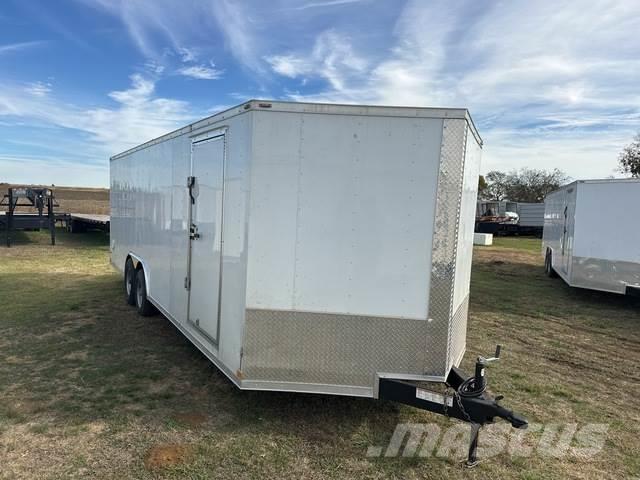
(468, 401)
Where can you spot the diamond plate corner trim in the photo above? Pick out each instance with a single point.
(445, 241)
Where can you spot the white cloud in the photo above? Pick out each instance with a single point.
(331, 58)
(38, 89)
(324, 4)
(201, 72)
(137, 116)
(289, 65)
(236, 24)
(191, 26)
(548, 84)
(187, 54)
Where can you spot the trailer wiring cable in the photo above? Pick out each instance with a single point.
(468, 388)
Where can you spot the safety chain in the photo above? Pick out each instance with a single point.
(464, 412)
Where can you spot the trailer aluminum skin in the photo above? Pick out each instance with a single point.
(310, 247)
(591, 237)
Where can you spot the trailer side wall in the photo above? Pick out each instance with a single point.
(149, 205)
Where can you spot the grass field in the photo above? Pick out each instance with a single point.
(91, 390)
(75, 199)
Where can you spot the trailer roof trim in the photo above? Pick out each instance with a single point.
(592, 181)
(318, 108)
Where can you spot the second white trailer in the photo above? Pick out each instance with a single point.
(592, 235)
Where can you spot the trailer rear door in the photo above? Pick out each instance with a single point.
(207, 192)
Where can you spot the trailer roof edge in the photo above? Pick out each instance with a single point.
(309, 107)
(595, 180)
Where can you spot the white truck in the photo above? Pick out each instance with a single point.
(592, 235)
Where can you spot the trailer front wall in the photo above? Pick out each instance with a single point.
(606, 253)
(558, 234)
(343, 208)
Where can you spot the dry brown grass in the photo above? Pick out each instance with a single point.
(91, 390)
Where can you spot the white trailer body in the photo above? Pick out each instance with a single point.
(592, 235)
(531, 214)
(331, 244)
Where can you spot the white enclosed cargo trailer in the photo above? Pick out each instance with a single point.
(313, 248)
(592, 235)
(307, 247)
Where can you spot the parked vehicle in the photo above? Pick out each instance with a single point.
(591, 237)
(509, 218)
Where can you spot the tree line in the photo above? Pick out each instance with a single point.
(532, 185)
(524, 185)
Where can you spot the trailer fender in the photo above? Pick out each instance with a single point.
(138, 263)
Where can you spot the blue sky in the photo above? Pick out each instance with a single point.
(549, 84)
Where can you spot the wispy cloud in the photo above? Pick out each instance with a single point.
(324, 4)
(238, 26)
(187, 54)
(567, 67)
(137, 115)
(38, 89)
(16, 47)
(331, 58)
(201, 72)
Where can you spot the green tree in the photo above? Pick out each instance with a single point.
(629, 158)
(532, 185)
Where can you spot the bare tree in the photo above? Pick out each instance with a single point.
(629, 158)
(496, 185)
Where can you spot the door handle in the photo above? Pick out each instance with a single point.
(193, 232)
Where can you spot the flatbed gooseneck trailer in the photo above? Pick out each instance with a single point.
(40, 199)
(312, 248)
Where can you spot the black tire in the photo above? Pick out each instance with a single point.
(130, 282)
(143, 305)
(548, 265)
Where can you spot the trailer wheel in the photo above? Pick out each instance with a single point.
(548, 265)
(130, 281)
(144, 306)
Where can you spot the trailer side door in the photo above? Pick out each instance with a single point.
(205, 225)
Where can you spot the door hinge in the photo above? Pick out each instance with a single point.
(187, 283)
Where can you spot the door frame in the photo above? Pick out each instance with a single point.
(196, 139)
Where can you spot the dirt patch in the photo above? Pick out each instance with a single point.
(191, 419)
(166, 455)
